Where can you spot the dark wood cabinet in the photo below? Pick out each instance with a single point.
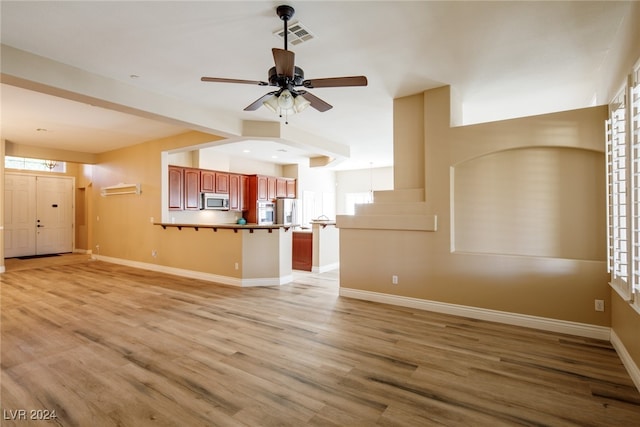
(222, 183)
(207, 181)
(271, 187)
(191, 189)
(286, 188)
(262, 188)
(302, 251)
(237, 185)
(244, 191)
(186, 185)
(176, 188)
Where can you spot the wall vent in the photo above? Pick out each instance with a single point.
(298, 33)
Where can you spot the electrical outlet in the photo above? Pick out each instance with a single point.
(237, 266)
(599, 305)
(151, 219)
(154, 253)
(394, 280)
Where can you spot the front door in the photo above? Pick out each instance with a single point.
(19, 215)
(38, 215)
(54, 215)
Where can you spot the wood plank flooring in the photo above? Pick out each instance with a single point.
(107, 345)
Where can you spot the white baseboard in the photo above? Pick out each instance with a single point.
(543, 323)
(209, 277)
(627, 361)
(325, 268)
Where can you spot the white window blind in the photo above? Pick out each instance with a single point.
(619, 208)
(634, 134)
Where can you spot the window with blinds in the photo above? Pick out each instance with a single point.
(623, 190)
(618, 206)
(634, 134)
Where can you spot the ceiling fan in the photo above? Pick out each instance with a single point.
(287, 99)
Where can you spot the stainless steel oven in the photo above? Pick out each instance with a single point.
(266, 213)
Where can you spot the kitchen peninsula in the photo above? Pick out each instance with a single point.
(200, 216)
(316, 249)
(234, 254)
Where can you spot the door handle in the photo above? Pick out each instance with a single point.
(39, 226)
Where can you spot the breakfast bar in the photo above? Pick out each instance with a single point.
(238, 255)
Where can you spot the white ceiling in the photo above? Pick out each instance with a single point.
(504, 60)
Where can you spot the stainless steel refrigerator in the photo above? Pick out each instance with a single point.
(286, 211)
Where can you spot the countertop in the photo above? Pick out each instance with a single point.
(228, 226)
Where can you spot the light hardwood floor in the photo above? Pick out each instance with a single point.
(107, 345)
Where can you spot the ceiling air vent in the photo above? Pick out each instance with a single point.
(298, 33)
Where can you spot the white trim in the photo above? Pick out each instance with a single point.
(627, 361)
(224, 280)
(325, 268)
(2, 269)
(543, 323)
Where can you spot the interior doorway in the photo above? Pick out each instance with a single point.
(38, 215)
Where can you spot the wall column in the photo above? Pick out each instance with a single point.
(408, 142)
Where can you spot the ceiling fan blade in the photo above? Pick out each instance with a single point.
(284, 60)
(336, 82)
(315, 102)
(258, 102)
(221, 80)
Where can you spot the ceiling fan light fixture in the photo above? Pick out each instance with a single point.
(300, 103)
(272, 103)
(285, 100)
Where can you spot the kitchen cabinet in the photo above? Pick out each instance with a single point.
(261, 187)
(187, 184)
(281, 187)
(286, 188)
(291, 188)
(191, 178)
(207, 181)
(222, 183)
(271, 187)
(237, 192)
(176, 188)
(244, 191)
(302, 251)
(214, 182)
(234, 192)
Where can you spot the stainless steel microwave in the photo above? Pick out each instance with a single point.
(215, 201)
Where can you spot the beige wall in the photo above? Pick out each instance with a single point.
(426, 263)
(121, 225)
(408, 147)
(625, 322)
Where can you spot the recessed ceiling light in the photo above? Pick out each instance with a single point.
(274, 157)
(246, 150)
